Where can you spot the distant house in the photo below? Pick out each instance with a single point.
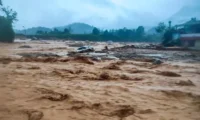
(192, 26)
(189, 34)
(190, 40)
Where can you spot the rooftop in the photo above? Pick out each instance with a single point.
(195, 36)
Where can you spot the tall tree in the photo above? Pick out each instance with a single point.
(6, 29)
(161, 27)
(96, 31)
(40, 32)
(56, 31)
(67, 31)
(140, 32)
(11, 15)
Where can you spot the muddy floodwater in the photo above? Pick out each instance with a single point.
(39, 80)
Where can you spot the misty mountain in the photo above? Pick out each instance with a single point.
(132, 19)
(122, 18)
(185, 14)
(32, 31)
(77, 28)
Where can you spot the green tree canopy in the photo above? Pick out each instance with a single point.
(96, 31)
(67, 31)
(140, 32)
(40, 32)
(6, 29)
(161, 27)
(10, 14)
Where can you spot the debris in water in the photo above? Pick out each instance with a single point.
(84, 49)
(5, 60)
(124, 111)
(147, 111)
(157, 62)
(83, 59)
(25, 46)
(168, 74)
(185, 83)
(34, 67)
(137, 71)
(34, 114)
(109, 57)
(144, 59)
(36, 55)
(125, 77)
(104, 76)
(112, 66)
(53, 96)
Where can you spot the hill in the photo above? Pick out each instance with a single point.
(32, 31)
(185, 14)
(77, 28)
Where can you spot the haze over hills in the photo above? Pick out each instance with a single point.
(75, 28)
(122, 17)
(104, 14)
(182, 16)
(32, 31)
(185, 14)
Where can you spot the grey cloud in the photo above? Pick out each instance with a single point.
(100, 13)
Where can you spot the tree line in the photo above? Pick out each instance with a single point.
(123, 34)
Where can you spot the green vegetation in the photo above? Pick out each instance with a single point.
(167, 33)
(6, 30)
(161, 27)
(96, 31)
(77, 28)
(120, 35)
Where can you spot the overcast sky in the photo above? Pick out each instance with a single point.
(100, 13)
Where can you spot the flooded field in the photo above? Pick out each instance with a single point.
(44, 82)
